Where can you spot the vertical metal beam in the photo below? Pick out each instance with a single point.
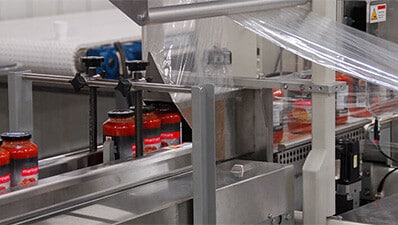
(139, 124)
(204, 154)
(93, 119)
(20, 103)
(319, 167)
(267, 100)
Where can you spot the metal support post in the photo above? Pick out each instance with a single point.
(20, 103)
(138, 124)
(267, 99)
(319, 167)
(204, 154)
(93, 119)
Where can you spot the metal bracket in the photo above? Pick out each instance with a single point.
(137, 10)
(315, 88)
(218, 56)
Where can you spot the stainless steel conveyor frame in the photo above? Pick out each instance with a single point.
(318, 169)
(203, 155)
(203, 131)
(139, 11)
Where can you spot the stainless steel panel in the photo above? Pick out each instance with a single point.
(250, 197)
(384, 211)
(81, 186)
(269, 190)
(238, 122)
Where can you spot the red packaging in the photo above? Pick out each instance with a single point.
(24, 166)
(300, 116)
(5, 175)
(120, 128)
(151, 125)
(342, 100)
(170, 131)
(277, 116)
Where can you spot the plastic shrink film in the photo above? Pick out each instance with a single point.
(367, 63)
(189, 52)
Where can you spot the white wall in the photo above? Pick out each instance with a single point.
(14, 9)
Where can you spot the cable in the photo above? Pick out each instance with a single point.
(119, 48)
(381, 184)
(384, 154)
(376, 141)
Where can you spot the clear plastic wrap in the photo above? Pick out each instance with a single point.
(190, 52)
(327, 43)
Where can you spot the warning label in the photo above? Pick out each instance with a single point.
(378, 13)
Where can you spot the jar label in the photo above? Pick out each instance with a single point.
(170, 134)
(341, 99)
(152, 139)
(124, 146)
(360, 93)
(24, 173)
(276, 117)
(30, 171)
(342, 112)
(5, 179)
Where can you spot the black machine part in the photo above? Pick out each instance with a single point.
(348, 153)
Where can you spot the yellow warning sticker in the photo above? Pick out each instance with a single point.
(378, 13)
(374, 15)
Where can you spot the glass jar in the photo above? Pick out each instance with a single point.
(151, 125)
(359, 98)
(120, 128)
(300, 116)
(5, 175)
(277, 115)
(170, 131)
(341, 100)
(24, 164)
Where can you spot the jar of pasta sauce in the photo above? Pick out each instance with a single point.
(5, 175)
(120, 128)
(341, 100)
(151, 125)
(170, 131)
(24, 166)
(359, 98)
(277, 118)
(300, 116)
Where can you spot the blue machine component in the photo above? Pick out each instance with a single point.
(133, 51)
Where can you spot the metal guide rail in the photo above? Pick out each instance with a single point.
(81, 186)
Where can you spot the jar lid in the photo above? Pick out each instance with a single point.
(121, 113)
(148, 109)
(16, 136)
